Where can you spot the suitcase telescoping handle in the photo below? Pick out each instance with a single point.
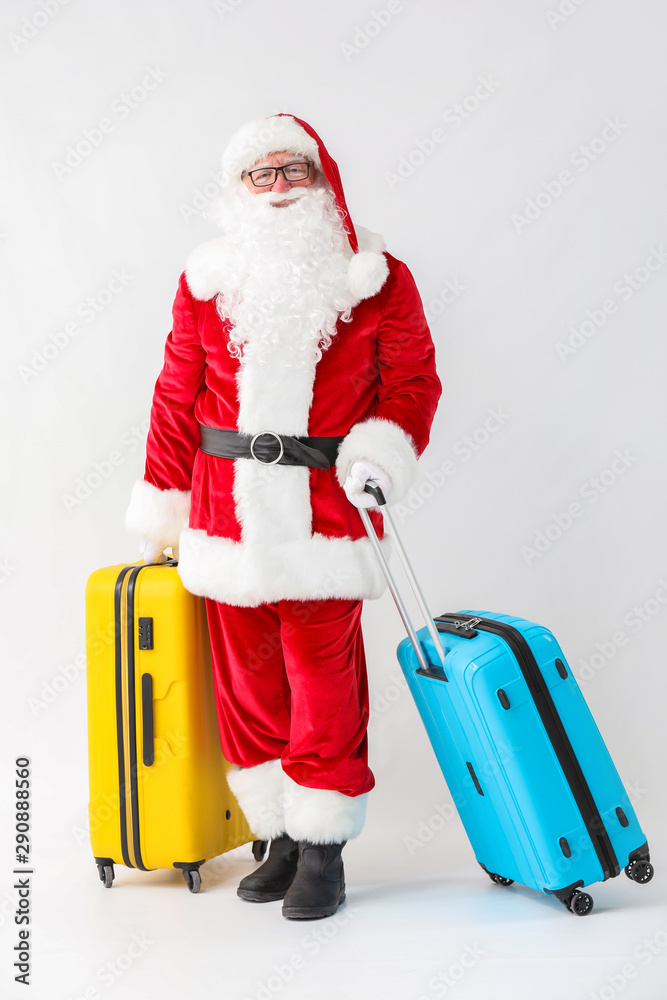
(377, 493)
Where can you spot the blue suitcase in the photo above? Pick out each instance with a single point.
(534, 784)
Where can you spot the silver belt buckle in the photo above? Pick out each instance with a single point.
(278, 439)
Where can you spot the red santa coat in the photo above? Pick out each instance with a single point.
(250, 533)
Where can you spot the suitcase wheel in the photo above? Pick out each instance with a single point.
(580, 904)
(192, 879)
(259, 849)
(500, 879)
(640, 871)
(106, 874)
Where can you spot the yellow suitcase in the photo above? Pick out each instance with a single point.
(158, 793)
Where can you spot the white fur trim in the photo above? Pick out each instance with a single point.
(321, 815)
(278, 557)
(273, 393)
(209, 264)
(368, 240)
(260, 792)
(206, 267)
(383, 443)
(366, 274)
(248, 574)
(257, 139)
(158, 515)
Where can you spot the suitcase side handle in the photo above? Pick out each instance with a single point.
(381, 502)
(148, 752)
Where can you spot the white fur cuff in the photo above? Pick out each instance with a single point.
(158, 515)
(322, 815)
(260, 792)
(383, 443)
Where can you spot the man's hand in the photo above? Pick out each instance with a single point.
(152, 553)
(360, 473)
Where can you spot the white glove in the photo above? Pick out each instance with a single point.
(358, 476)
(152, 553)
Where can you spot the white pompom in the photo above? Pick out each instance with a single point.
(366, 273)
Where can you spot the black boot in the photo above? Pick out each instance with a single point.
(319, 884)
(272, 879)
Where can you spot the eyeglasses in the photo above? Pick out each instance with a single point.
(266, 176)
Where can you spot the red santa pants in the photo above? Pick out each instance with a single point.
(291, 687)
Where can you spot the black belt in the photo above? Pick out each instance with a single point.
(270, 448)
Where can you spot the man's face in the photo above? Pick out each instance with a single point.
(281, 185)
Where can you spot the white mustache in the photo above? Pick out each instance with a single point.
(292, 195)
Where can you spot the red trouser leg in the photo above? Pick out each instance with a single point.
(290, 682)
(251, 691)
(326, 669)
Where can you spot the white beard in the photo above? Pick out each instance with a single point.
(286, 283)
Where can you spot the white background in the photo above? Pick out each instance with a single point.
(130, 205)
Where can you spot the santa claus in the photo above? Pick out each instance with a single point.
(299, 367)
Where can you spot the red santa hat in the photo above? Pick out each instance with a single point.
(257, 139)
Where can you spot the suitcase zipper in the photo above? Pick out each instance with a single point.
(126, 717)
(119, 633)
(555, 731)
